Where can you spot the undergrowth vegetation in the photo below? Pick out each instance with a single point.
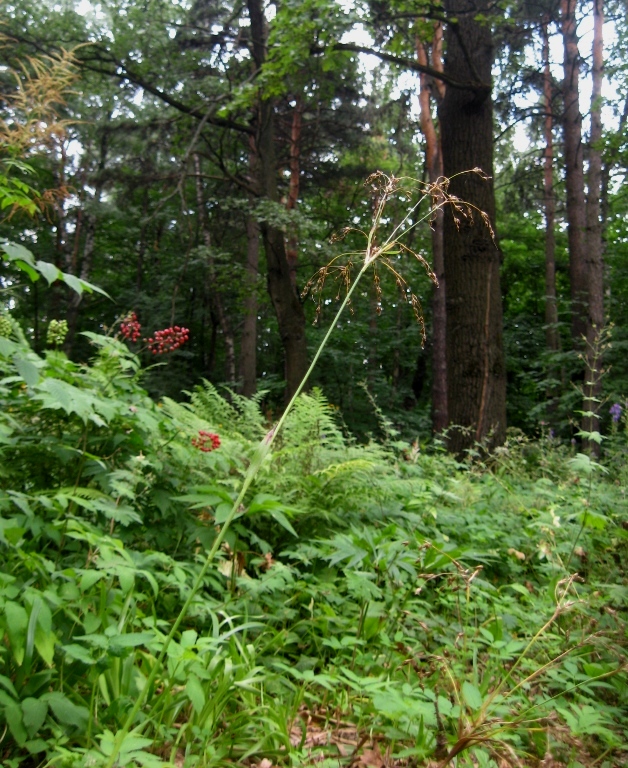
(371, 604)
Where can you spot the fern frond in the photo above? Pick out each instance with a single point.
(243, 416)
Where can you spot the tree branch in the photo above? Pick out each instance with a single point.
(401, 61)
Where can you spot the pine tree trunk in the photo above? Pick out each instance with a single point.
(552, 338)
(574, 174)
(594, 243)
(476, 376)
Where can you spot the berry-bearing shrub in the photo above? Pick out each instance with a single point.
(163, 341)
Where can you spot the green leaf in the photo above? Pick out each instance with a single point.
(195, 693)
(6, 683)
(15, 252)
(13, 715)
(24, 267)
(127, 579)
(17, 623)
(78, 653)
(130, 640)
(472, 696)
(27, 369)
(34, 715)
(35, 746)
(89, 578)
(58, 394)
(48, 270)
(66, 712)
(75, 283)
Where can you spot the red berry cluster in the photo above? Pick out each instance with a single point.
(168, 340)
(130, 327)
(206, 441)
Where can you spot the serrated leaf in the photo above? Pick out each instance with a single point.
(58, 394)
(78, 653)
(34, 715)
(66, 712)
(27, 370)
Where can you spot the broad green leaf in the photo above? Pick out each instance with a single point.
(127, 579)
(48, 270)
(15, 252)
(34, 746)
(66, 712)
(75, 283)
(25, 267)
(6, 683)
(34, 715)
(17, 623)
(78, 653)
(130, 640)
(195, 693)
(45, 644)
(89, 578)
(27, 369)
(471, 695)
(13, 715)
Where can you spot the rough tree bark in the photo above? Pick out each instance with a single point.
(285, 300)
(574, 173)
(476, 376)
(293, 189)
(434, 161)
(552, 338)
(594, 243)
(248, 344)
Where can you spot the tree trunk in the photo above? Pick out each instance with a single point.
(476, 376)
(293, 189)
(594, 244)
(285, 300)
(434, 163)
(90, 220)
(552, 338)
(574, 174)
(215, 297)
(248, 347)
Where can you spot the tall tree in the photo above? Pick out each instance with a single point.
(594, 243)
(476, 374)
(549, 199)
(433, 88)
(283, 294)
(574, 172)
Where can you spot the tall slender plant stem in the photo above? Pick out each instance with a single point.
(256, 462)
(372, 253)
